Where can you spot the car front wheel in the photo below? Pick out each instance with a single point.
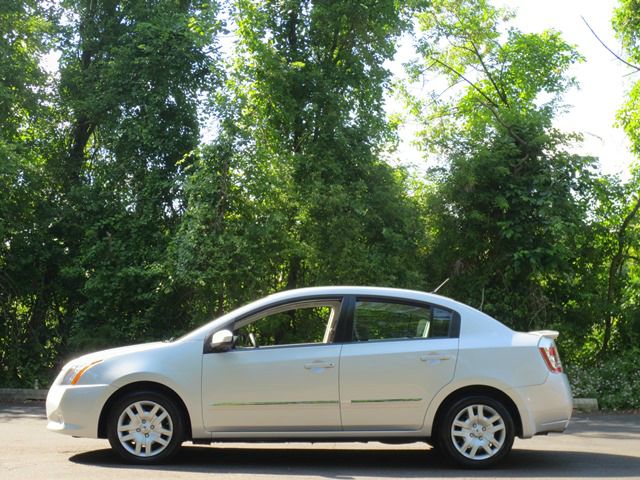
(476, 432)
(145, 427)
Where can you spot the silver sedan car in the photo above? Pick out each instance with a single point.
(323, 364)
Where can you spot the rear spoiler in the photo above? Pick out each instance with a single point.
(552, 334)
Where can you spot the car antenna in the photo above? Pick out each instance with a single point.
(440, 286)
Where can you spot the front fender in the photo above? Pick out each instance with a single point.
(178, 367)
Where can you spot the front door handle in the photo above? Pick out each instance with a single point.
(434, 356)
(312, 365)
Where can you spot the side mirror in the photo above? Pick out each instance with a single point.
(222, 341)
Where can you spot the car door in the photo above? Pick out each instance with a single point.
(288, 381)
(400, 355)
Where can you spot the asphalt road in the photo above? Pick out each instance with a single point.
(594, 446)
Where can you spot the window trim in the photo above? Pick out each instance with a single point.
(329, 328)
(344, 329)
(248, 319)
(454, 325)
(280, 306)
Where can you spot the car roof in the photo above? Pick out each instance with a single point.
(365, 291)
(341, 290)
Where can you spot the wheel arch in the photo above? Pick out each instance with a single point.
(140, 386)
(470, 390)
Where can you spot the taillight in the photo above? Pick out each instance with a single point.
(551, 358)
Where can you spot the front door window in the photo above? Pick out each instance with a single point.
(303, 324)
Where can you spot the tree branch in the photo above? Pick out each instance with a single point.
(635, 67)
(498, 90)
(490, 104)
(466, 80)
(614, 271)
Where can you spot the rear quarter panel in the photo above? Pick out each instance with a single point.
(491, 354)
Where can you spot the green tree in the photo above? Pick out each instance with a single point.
(131, 76)
(620, 240)
(626, 23)
(508, 202)
(96, 157)
(293, 191)
(229, 246)
(28, 308)
(311, 80)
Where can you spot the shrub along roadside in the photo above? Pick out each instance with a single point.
(615, 382)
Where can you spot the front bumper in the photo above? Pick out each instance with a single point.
(75, 409)
(546, 407)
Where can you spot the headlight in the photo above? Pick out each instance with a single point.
(73, 374)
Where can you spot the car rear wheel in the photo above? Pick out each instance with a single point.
(145, 427)
(476, 432)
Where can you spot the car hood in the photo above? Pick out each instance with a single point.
(115, 352)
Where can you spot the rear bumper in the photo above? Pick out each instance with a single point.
(547, 407)
(75, 409)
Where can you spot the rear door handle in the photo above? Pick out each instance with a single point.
(312, 365)
(434, 356)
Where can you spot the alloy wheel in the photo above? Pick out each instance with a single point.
(145, 428)
(478, 432)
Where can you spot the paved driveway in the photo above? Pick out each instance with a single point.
(604, 446)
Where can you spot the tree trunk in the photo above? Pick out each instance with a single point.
(615, 269)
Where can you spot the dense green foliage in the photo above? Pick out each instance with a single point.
(185, 157)
(507, 177)
(615, 383)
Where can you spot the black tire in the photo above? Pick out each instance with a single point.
(490, 447)
(146, 427)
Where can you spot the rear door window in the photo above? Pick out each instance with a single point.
(379, 320)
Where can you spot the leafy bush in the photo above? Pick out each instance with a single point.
(615, 382)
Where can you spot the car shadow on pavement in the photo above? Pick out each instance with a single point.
(391, 463)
